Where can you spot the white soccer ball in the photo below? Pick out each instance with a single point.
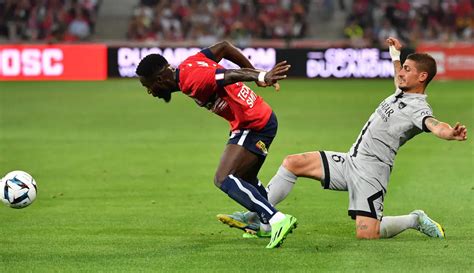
(17, 189)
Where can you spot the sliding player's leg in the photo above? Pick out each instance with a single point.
(298, 165)
(303, 165)
(418, 219)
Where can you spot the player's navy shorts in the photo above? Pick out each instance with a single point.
(258, 142)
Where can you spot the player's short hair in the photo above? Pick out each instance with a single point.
(150, 65)
(425, 63)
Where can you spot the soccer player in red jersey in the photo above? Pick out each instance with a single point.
(252, 121)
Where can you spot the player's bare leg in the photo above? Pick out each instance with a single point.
(237, 160)
(293, 166)
(310, 165)
(246, 165)
(298, 165)
(241, 163)
(390, 226)
(367, 227)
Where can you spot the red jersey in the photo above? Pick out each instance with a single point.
(201, 78)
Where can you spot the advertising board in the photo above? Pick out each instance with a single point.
(53, 62)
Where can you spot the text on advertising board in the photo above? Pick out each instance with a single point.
(349, 63)
(57, 62)
(129, 58)
(31, 62)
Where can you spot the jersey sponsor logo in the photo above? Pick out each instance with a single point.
(261, 146)
(385, 111)
(247, 95)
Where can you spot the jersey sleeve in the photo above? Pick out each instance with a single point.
(201, 77)
(205, 78)
(208, 53)
(420, 112)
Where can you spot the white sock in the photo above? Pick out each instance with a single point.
(280, 185)
(392, 225)
(277, 217)
(265, 227)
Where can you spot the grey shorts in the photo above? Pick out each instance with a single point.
(365, 179)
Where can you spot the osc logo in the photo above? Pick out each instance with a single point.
(31, 62)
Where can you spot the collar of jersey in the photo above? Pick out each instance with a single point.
(414, 95)
(400, 93)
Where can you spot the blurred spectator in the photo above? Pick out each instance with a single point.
(354, 31)
(387, 30)
(413, 20)
(207, 21)
(48, 20)
(368, 22)
(79, 27)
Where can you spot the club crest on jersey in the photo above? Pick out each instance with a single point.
(401, 105)
(262, 147)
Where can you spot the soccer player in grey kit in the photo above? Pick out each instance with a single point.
(364, 171)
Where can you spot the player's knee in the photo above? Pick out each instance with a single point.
(219, 179)
(367, 230)
(367, 227)
(364, 235)
(289, 161)
(293, 163)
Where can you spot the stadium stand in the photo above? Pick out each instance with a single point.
(280, 23)
(209, 21)
(48, 20)
(361, 22)
(412, 21)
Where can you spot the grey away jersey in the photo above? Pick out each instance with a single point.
(396, 120)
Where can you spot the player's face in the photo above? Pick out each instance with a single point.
(410, 78)
(161, 84)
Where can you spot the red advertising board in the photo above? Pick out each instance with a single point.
(53, 62)
(454, 61)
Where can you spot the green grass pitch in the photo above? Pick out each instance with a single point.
(125, 182)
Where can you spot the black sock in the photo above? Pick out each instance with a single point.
(261, 189)
(248, 196)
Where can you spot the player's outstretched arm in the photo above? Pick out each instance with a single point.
(445, 131)
(278, 72)
(394, 47)
(226, 50)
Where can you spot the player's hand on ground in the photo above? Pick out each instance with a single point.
(391, 41)
(278, 72)
(459, 132)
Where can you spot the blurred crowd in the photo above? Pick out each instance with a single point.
(48, 20)
(372, 21)
(207, 21)
(369, 22)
